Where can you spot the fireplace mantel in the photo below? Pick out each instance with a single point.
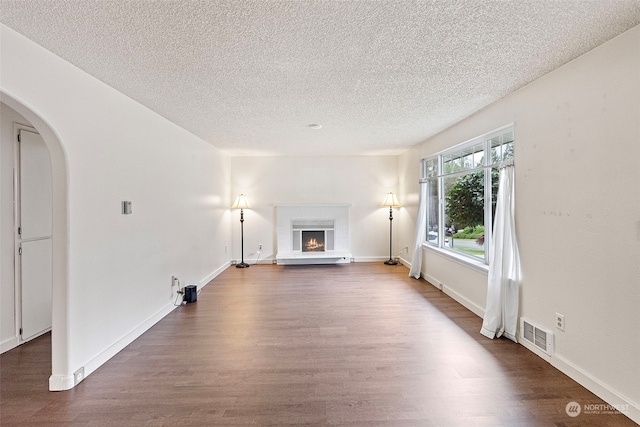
(330, 219)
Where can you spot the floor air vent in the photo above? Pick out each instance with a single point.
(537, 336)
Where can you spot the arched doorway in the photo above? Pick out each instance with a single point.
(61, 378)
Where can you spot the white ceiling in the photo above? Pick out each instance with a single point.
(249, 76)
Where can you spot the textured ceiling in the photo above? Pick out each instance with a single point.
(249, 76)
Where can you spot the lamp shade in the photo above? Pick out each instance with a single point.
(391, 200)
(241, 202)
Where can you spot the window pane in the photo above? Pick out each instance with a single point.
(432, 211)
(507, 151)
(446, 164)
(464, 213)
(457, 161)
(478, 155)
(432, 167)
(496, 150)
(467, 158)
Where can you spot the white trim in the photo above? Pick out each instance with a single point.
(370, 259)
(466, 261)
(363, 259)
(476, 139)
(202, 283)
(9, 344)
(66, 382)
(61, 382)
(292, 258)
(597, 387)
(464, 301)
(261, 261)
(467, 303)
(406, 263)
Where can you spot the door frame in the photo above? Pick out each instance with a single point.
(17, 238)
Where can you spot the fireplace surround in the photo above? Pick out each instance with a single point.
(313, 234)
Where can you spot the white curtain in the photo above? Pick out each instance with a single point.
(421, 230)
(501, 312)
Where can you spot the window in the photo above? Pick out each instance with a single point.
(462, 186)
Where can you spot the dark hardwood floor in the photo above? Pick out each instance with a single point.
(351, 345)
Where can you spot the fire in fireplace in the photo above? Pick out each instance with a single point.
(313, 241)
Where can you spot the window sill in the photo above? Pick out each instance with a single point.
(460, 259)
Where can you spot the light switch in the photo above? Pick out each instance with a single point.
(126, 208)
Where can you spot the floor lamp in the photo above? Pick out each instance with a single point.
(241, 203)
(392, 201)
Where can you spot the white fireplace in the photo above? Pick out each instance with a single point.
(313, 234)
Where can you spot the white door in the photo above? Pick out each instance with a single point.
(34, 222)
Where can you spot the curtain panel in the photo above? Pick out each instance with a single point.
(421, 232)
(503, 287)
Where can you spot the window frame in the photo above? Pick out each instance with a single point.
(433, 173)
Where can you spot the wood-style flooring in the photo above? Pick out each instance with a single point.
(342, 345)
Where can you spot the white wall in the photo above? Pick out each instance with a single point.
(119, 266)
(362, 181)
(578, 213)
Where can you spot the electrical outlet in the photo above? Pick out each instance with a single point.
(260, 246)
(560, 321)
(78, 376)
(174, 282)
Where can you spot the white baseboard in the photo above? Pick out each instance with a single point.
(355, 259)
(432, 280)
(13, 342)
(254, 261)
(61, 382)
(474, 308)
(468, 304)
(405, 262)
(202, 283)
(9, 344)
(370, 259)
(66, 382)
(622, 403)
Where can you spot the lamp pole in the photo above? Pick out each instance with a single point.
(241, 203)
(242, 263)
(391, 200)
(390, 261)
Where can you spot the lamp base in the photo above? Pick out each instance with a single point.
(391, 262)
(242, 265)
